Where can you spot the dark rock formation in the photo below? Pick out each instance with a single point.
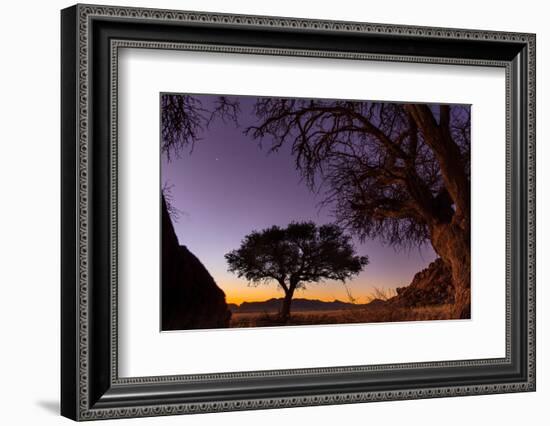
(190, 297)
(431, 286)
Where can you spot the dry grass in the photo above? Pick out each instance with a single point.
(347, 316)
(381, 294)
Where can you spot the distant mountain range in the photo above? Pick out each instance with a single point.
(430, 287)
(273, 305)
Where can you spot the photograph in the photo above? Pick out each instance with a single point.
(241, 186)
(279, 211)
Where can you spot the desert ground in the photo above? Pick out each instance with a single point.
(344, 316)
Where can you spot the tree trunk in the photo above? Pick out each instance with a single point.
(452, 243)
(450, 239)
(285, 308)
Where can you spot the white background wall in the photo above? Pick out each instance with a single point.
(29, 213)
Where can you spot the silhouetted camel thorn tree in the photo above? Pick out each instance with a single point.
(296, 255)
(400, 172)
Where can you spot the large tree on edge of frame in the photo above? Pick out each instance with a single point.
(400, 172)
(294, 256)
(183, 119)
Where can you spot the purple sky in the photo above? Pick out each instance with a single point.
(229, 186)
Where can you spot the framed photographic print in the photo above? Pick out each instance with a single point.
(264, 212)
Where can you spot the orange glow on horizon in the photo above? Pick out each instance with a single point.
(238, 292)
(238, 301)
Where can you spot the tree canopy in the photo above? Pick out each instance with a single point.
(388, 170)
(294, 256)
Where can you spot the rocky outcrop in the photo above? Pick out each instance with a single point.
(431, 286)
(190, 297)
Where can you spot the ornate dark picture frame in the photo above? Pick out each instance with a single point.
(90, 385)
